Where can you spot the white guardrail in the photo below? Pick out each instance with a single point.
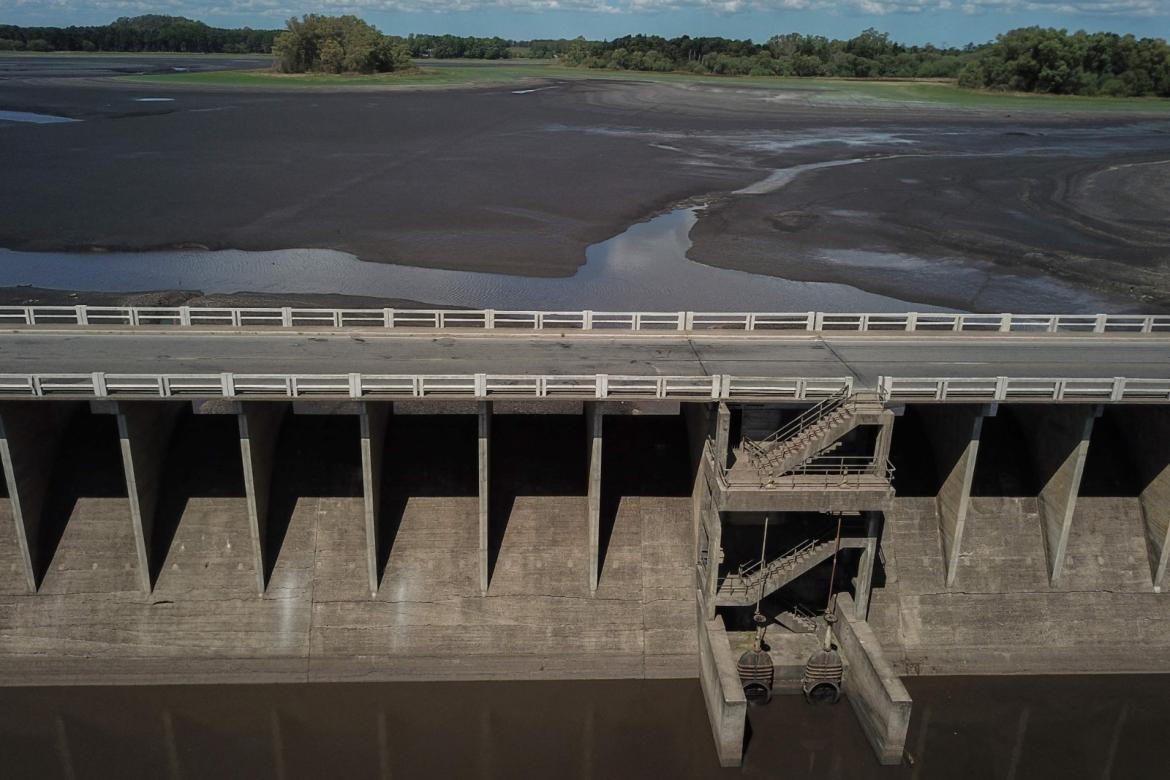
(599, 386)
(287, 317)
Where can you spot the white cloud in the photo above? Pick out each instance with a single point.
(280, 9)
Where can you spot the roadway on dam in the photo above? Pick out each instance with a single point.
(863, 356)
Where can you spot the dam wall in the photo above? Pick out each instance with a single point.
(350, 541)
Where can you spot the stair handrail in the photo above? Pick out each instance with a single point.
(802, 421)
(743, 576)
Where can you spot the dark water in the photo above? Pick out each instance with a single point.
(1026, 727)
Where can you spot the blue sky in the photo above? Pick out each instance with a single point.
(947, 22)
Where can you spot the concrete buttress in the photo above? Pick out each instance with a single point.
(374, 419)
(484, 416)
(259, 425)
(144, 432)
(594, 423)
(29, 437)
(1058, 439)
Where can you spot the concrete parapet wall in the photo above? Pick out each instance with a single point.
(878, 697)
(722, 690)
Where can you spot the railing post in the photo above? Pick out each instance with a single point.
(682, 320)
(29, 317)
(1148, 325)
(1118, 391)
(690, 324)
(810, 323)
(1099, 323)
(286, 317)
(355, 385)
(818, 321)
(912, 321)
(1000, 387)
(81, 314)
(388, 318)
(481, 386)
(602, 386)
(185, 316)
(133, 310)
(587, 319)
(227, 382)
(1005, 323)
(99, 384)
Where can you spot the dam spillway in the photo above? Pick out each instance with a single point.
(274, 501)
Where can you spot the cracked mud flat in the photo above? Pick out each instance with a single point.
(932, 207)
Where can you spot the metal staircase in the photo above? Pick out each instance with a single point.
(747, 586)
(815, 432)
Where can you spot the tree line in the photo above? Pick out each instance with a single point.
(152, 32)
(870, 54)
(1035, 59)
(1031, 59)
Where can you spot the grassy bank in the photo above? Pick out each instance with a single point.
(823, 91)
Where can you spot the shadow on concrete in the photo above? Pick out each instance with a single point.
(1110, 470)
(202, 461)
(1005, 466)
(425, 456)
(917, 472)
(533, 455)
(88, 465)
(316, 456)
(640, 456)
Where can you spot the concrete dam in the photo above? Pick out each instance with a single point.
(265, 495)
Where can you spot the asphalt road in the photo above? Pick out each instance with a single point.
(375, 352)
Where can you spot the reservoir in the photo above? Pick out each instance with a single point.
(1036, 728)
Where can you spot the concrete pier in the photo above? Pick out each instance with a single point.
(878, 697)
(953, 433)
(484, 449)
(594, 423)
(722, 690)
(374, 418)
(1146, 434)
(29, 438)
(1058, 439)
(144, 432)
(259, 427)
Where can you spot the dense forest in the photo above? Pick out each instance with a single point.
(1034, 59)
(139, 33)
(1031, 59)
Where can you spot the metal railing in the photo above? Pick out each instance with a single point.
(761, 447)
(484, 319)
(1024, 389)
(720, 387)
(407, 386)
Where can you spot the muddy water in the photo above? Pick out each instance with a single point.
(1028, 727)
(642, 268)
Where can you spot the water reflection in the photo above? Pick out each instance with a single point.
(1006, 727)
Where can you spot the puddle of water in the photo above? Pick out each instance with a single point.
(35, 119)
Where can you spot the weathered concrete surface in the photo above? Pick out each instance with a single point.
(1058, 440)
(726, 703)
(1003, 616)
(29, 437)
(317, 621)
(878, 697)
(1145, 435)
(953, 436)
(484, 431)
(144, 432)
(373, 418)
(594, 425)
(259, 428)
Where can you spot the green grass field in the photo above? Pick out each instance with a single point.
(818, 90)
